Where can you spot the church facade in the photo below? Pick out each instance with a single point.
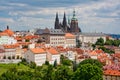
(71, 26)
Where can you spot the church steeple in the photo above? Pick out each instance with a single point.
(64, 22)
(74, 16)
(74, 24)
(57, 25)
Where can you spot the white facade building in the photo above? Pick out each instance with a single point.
(37, 55)
(4, 39)
(52, 55)
(70, 40)
(90, 37)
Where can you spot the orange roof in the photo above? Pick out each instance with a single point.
(11, 46)
(9, 32)
(112, 72)
(31, 37)
(69, 35)
(38, 50)
(3, 34)
(99, 51)
(18, 38)
(93, 53)
(53, 51)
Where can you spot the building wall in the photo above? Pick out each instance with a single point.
(90, 39)
(29, 56)
(70, 42)
(7, 40)
(55, 57)
(40, 59)
(108, 77)
(56, 40)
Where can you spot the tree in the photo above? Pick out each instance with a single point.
(94, 46)
(88, 72)
(46, 62)
(109, 42)
(63, 73)
(106, 50)
(32, 65)
(92, 62)
(74, 66)
(100, 42)
(55, 63)
(78, 43)
(65, 61)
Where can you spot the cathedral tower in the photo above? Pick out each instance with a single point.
(57, 25)
(74, 24)
(64, 24)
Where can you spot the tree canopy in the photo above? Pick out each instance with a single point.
(88, 72)
(92, 62)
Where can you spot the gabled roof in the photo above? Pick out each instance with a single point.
(9, 32)
(69, 35)
(53, 51)
(38, 50)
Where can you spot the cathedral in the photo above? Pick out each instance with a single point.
(71, 26)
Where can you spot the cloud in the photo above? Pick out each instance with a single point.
(17, 4)
(92, 14)
(7, 20)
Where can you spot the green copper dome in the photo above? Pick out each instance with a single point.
(74, 16)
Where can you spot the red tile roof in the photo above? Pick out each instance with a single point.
(38, 50)
(112, 72)
(53, 51)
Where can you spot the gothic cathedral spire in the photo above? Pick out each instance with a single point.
(57, 25)
(64, 22)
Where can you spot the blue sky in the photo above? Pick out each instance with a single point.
(93, 15)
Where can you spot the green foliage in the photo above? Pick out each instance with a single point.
(63, 73)
(75, 65)
(78, 43)
(32, 65)
(5, 67)
(88, 72)
(100, 42)
(94, 46)
(92, 62)
(109, 42)
(106, 50)
(65, 61)
(55, 63)
(46, 62)
(112, 42)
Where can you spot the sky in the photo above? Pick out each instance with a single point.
(93, 15)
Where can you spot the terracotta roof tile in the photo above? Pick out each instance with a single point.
(38, 50)
(53, 51)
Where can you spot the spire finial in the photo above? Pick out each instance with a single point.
(74, 13)
(7, 27)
